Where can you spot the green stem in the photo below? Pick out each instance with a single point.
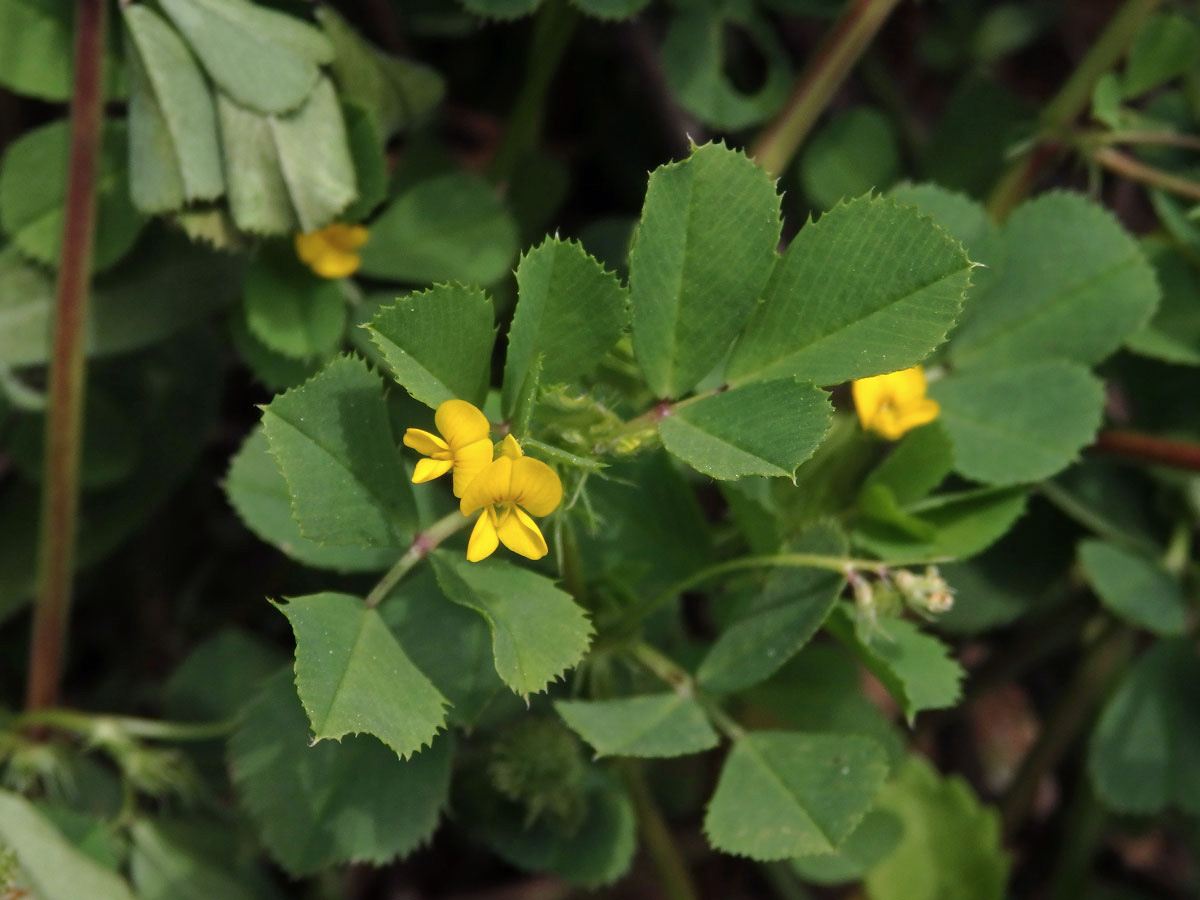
(673, 874)
(832, 62)
(422, 544)
(1158, 138)
(89, 724)
(1136, 170)
(64, 418)
(1071, 100)
(552, 32)
(683, 684)
(1084, 827)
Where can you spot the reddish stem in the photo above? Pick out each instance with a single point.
(1149, 449)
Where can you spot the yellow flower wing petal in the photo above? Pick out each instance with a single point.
(429, 469)
(484, 540)
(345, 237)
(535, 486)
(510, 448)
(490, 486)
(461, 423)
(914, 415)
(309, 246)
(869, 395)
(469, 461)
(907, 385)
(423, 442)
(334, 263)
(520, 534)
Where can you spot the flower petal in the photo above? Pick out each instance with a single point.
(535, 486)
(484, 540)
(510, 448)
(461, 423)
(334, 263)
(429, 469)
(520, 534)
(423, 442)
(917, 414)
(469, 461)
(345, 237)
(492, 485)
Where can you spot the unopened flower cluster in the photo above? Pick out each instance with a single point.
(508, 486)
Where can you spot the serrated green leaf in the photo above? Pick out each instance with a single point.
(334, 445)
(438, 343)
(853, 153)
(51, 867)
(778, 623)
(263, 59)
(783, 794)
(757, 429)
(951, 844)
(701, 255)
(875, 837)
(537, 630)
(1168, 45)
(1135, 587)
(368, 805)
(1019, 423)
(33, 190)
(291, 310)
(649, 725)
(167, 864)
(1144, 754)
(569, 313)
(1173, 335)
(1074, 285)
(174, 156)
(696, 61)
(915, 667)
(870, 287)
(353, 678)
(448, 228)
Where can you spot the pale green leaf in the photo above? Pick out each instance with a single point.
(1075, 285)
(174, 155)
(853, 153)
(870, 287)
(333, 802)
(33, 190)
(438, 343)
(570, 312)
(537, 630)
(875, 837)
(334, 445)
(700, 258)
(1019, 423)
(1167, 46)
(291, 310)
(950, 846)
(757, 429)
(783, 794)
(262, 59)
(447, 228)
(650, 725)
(353, 678)
(1135, 587)
(50, 866)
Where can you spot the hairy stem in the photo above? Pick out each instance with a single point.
(832, 62)
(673, 874)
(64, 417)
(421, 546)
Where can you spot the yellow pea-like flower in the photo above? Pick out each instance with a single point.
(895, 403)
(464, 446)
(330, 252)
(510, 490)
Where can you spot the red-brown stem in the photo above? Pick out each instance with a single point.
(64, 415)
(1135, 169)
(1149, 449)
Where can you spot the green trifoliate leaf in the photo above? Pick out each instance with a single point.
(1167, 46)
(783, 794)
(447, 228)
(915, 667)
(855, 152)
(274, 370)
(353, 678)
(438, 343)
(870, 287)
(291, 310)
(371, 806)
(701, 256)
(1075, 285)
(875, 837)
(50, 867)
(768, 428)
(537, 630)
(33, 190)
(1019, 423)
(334, 445)
(570, 312)
(264, 60)
(174, 156)
(950, 845)
(651, 725)
(1145, 751)
(1135, 587)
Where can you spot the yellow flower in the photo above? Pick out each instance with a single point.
(330, 251)
(464, 446)
(511, 489)
(894, 403)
